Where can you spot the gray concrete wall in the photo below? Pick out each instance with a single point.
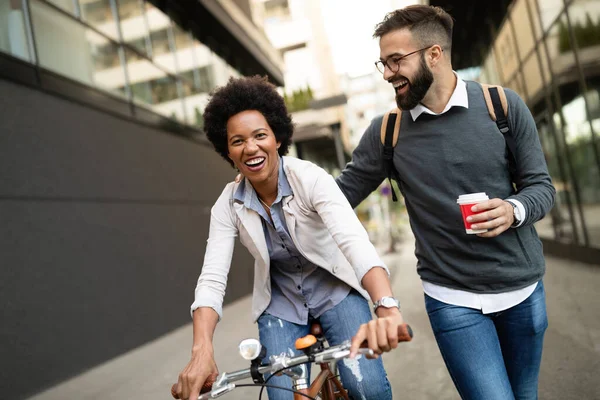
(103, 225)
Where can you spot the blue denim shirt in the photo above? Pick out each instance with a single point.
(298, 287)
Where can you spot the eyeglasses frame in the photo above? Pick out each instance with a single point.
(397, 62)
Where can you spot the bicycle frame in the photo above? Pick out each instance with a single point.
(325, 383)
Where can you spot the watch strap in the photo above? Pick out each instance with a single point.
(516, 219)
(387, 302)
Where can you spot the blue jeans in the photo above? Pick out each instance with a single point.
(492, 356)
(363, 378)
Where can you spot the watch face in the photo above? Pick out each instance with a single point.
(388, 302)
(517, 214)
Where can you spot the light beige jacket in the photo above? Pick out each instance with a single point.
(321, 223)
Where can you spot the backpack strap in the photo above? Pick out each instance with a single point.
(390, 129)
(497, 106)
(393, 127)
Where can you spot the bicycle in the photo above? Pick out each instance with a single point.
(326, 386)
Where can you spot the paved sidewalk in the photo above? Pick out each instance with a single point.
(569, 371)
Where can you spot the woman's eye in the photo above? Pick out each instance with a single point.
(261, 135)
(236, 142)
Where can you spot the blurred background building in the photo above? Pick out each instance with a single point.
(106, 180)
(311, 34)
(548, 51)
(312, 91)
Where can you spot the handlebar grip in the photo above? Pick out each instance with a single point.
(207, 387)
(405, 334)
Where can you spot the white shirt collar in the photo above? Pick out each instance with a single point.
(459, 98)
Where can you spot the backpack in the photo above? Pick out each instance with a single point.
(497, 106)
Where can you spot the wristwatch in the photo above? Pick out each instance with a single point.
(516, 214)
(387, 302)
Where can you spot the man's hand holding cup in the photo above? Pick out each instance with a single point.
(485, 217)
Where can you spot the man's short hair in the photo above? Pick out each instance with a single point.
(429, 25)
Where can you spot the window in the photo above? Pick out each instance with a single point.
(549, 11)
(277, 9)
(134, 27)
(99, 14)
(153, 88)
(522, 28)
(13, 31)
(182, 38)
(558, 224)
(75, 51)
(533, 77)
(516, 84)
(584, 162)
(489, 73)
(67, 5)
(537, 25)
(505, 53)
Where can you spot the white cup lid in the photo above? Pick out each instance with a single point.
(472, 197)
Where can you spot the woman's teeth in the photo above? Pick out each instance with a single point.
(255, 161)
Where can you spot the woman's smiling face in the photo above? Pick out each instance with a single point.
(252, 146)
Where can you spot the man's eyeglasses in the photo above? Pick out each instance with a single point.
(393, 63)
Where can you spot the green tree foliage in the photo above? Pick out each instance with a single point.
(299, 99)
(564, 44)
(586, 34)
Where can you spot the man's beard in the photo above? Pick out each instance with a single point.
(418, 88)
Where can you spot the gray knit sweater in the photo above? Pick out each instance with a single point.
(441, 157)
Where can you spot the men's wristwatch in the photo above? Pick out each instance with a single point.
(387, 302)
(516, 214)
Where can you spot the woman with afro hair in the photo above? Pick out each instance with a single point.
(313, 258)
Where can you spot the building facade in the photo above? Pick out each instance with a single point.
(106, 181)
(548, 51)
(129, 49)
(312, 87)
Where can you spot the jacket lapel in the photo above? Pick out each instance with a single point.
(288, 213)
(251, 222)
(290, 220)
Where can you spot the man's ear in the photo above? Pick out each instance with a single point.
(435, 54)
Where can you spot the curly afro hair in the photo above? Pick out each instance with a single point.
(243, 94)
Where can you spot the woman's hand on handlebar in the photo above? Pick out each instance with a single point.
(381, 334)
(202, 367)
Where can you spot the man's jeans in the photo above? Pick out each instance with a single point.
(364, 379)
(492, 356)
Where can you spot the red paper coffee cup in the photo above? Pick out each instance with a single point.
(466, 201)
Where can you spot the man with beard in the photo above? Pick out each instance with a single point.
(483, 293)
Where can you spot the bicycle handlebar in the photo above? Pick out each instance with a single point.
(338, 352)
